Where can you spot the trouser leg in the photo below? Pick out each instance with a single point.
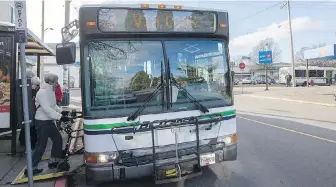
(42, 140)
(57, 140)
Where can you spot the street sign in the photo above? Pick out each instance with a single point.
(265, 57)
(242, 65)
(21, 21)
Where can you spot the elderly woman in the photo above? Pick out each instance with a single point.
(47, 111)
(35, 82)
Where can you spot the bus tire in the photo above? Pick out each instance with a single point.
(304, 84)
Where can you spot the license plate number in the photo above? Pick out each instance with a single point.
(208, 159)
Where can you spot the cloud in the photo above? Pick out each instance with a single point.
(243, 44)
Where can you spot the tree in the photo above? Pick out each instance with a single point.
(140, 81)
(261, 46)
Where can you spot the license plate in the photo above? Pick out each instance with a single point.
(208, 159)
(171, 173)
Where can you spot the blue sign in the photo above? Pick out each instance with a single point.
(265, 57)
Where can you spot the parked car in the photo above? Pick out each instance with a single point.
(248, 80)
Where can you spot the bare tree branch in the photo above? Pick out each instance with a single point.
(299, 56)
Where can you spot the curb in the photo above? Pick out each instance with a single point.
(61, 182)
(291, 100)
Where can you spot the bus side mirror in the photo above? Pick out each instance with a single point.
(66, 53)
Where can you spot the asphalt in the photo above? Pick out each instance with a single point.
(286, 153)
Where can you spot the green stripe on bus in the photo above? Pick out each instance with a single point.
(124, 124)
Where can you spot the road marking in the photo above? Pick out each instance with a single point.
(292, 100)
(289, 130)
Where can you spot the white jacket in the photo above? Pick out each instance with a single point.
(45, 102)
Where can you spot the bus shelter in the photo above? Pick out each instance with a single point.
(323, 57)
(9, 76)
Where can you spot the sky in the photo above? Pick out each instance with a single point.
(313, 22)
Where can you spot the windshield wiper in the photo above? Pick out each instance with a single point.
(135, 114)
(201, 107)
(159, 88)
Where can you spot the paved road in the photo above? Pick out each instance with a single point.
(280, 144)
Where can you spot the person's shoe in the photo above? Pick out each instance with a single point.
(52, 165)
(35, 171)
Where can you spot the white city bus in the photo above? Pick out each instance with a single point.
(156, 91)
(320, 75)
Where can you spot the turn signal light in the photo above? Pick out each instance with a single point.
(145, 6)
(90, 158)
(90, 23)
(222, 25)
(234, 138)
(162, 6)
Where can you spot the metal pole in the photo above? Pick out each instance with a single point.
(307, 73)
(242, 81)
(42, 26)
(66, 22)
(291, 43)
(266, 78)
(21, 31)
(26, 113)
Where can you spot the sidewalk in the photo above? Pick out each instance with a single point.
(11, 166)
(319, 95)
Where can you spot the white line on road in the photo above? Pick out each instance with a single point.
(291, 100)
(289, 130)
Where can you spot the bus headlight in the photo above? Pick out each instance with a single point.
(100, 158)
(227, 140)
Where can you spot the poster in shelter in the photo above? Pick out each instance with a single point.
(6, 47)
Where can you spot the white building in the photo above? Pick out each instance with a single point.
(50, 65)
(7, 11)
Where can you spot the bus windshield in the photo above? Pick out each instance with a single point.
(123, 74)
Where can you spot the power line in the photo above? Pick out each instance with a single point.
(263, 10)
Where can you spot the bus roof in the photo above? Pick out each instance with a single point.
(151, 6)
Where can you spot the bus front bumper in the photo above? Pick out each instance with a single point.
(108, 173)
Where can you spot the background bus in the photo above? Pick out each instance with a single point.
(320, 75)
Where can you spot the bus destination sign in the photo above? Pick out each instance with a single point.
(153, 20)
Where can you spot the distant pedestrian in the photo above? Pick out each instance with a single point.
(287, 80)
(290, 79)
(58, 94)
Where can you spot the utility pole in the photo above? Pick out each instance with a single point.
(291, 43)
(266, 76)
(66, 22)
